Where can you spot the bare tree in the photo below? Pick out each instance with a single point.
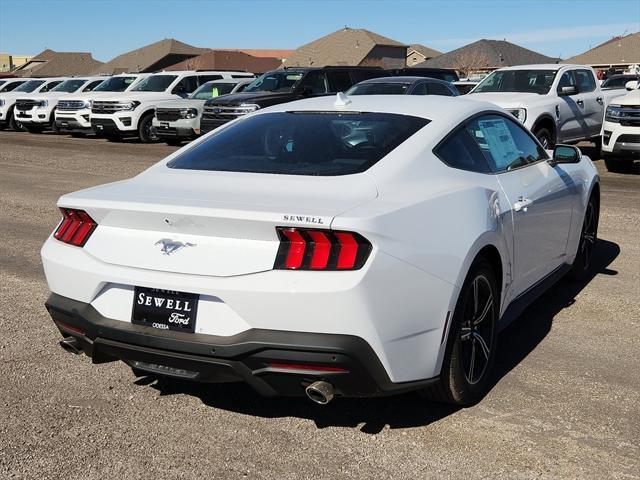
(471, 62)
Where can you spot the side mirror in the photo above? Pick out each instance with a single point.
(565, 154)
(631, 85)
(570, 90)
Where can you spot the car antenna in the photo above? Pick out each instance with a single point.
(341, 100)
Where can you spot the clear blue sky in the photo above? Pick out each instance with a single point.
(110, 27)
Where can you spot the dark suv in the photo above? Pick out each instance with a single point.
(281, 86)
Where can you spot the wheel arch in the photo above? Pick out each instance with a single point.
(546, 121)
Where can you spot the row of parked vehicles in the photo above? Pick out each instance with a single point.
(558, 103)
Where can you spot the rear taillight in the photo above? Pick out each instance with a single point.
(307, 249)
(76, 227)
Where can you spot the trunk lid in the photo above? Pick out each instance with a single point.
(209, 223)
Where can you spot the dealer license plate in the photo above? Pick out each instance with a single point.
(165, 309)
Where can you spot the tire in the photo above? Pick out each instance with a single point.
(545, 138)
(617, 165)
(588, 239)
(14, 125)
(471, 346)
(145, 133)
(597, 142)
(54, 126)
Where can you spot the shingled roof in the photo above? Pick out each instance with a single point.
(422, 50)
(151, 58)
(617, 51)
(228, 60)
(50, 63)
(348, 46)
(487, 54)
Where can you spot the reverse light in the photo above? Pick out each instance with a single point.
(76, 227)
(309, 249)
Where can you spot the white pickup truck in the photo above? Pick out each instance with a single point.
(8, 99)
(130, 114)
(36, 111)
(621, 129)
(558, 103)
(74, 111)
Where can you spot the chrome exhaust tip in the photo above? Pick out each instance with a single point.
(71, 345)
(320, 392)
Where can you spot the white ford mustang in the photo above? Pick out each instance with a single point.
(335, 246)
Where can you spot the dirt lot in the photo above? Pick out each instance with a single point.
(565, 404)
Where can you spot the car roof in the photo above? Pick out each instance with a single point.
(403, 79)
(231, 80)
(543, 66)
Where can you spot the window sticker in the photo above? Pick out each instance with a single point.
(500, 141)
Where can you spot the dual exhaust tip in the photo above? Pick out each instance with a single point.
(71, 345)
(320, 392)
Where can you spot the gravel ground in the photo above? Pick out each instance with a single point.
(565, 402)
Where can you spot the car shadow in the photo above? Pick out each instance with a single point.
(410, 409)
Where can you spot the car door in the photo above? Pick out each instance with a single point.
(569, 116)
(540, 195)
(590, 100)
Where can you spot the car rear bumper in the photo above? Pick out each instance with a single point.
(272, 362)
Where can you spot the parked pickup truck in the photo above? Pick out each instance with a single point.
(282, 86)
(130, 114)
(558, 103)
(74, 112)
(621, 129)
(177, 121)
(36, 111)
(8, 99)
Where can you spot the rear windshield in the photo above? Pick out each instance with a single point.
(29, 86)
(378, 88)
(69, 86)
(302, 143)
(155, 83)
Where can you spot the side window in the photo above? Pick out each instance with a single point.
(49, 86)
(92, 85)
(339, 81)
(202, 79)
(240, 88)
(567, 80)
(438, 89)
(419, 89)
(504, 144)
(586, 82)
(246, 75)
(460, 151)
(314, 82)
(186, 85)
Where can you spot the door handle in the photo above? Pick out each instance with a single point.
(522, 205)
(599, 100)
(580, 102)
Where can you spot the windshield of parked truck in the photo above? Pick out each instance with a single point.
(274, 82)
(155, 83)
(212, 90)
(521, 81)
(378, 88)
(10, 85)
(115, 84)
(69, 86)
(29, 86)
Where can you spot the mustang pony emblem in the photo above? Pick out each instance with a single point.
(170, 246)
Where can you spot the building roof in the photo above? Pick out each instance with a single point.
(264, 52)
(487, 54)
(348, 46)
(55, 64)
(228, 60)
(426, 52)
(151, 58)
(619, 50)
